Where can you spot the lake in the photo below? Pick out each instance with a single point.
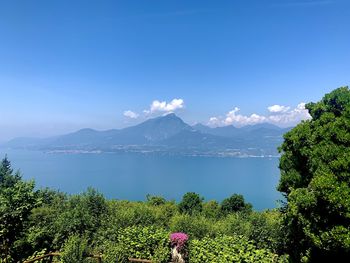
(133, 176)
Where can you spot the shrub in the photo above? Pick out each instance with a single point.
(139, 242)
(194, 226)
(225, 249)
(75, 250)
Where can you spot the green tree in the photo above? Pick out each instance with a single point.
(315, 179)
(42, 229)
(191, 203)
(155, 200)
(81, 214)
(7, 177)
(17, 199)
(235, 203)
(211, 209)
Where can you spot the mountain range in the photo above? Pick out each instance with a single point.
(165, 134)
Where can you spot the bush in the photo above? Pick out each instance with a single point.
(139, 242)
(194, 226)
(225, 249)
(75, 250)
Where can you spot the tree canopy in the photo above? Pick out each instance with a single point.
(17, 199)
(235, 203)
(315, 179)
(191, 203)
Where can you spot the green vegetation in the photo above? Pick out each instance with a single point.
(75, 250)
(225, 249)
(138, 242)
(312, 226)
(315, 178)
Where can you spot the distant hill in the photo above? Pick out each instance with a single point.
(166, 134)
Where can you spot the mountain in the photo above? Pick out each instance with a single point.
(167, 133)
(157, 129)
(226, 131)
(232, 131)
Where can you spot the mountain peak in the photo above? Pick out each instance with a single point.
(170, 115)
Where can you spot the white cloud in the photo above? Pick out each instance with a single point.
(164, 106)
(157, 106)
(131, 114)
(278, 115)
(232, 118)
(291, 117)
(278, 108)
(214, 122)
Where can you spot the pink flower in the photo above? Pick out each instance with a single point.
(178, 240)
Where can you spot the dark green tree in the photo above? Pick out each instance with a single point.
(7, 177)
(235, 203)
(315, 179)
(17, 199)
(191, 203)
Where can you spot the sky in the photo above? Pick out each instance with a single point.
(66, 65)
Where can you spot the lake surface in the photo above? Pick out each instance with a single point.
(133, 176)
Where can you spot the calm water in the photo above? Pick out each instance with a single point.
(132, 176)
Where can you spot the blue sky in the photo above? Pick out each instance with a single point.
(66, 65)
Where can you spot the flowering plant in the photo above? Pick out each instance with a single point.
(178, 240)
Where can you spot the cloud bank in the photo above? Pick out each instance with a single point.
(166, 107)
(278, 108)
(279, 115)
(157, 107)
(130, 114)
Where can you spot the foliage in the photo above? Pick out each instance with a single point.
(195, 226)
(81, 214)
(235, 203)
(155, 200)
(315, 178)
(42, 227)
(138, 242)
(191, 203)
(75, 250)
(211, 209)
(17, 198)
(223, 249)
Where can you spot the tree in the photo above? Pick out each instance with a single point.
(191, 203)
(17, 199)
(155, 200)
(81, 214)
(7, 177)
(315, 179)
(211, 209)
(235, 203)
